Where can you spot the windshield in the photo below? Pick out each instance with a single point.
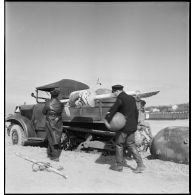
(43, 95)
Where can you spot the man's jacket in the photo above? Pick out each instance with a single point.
(53, 109)
(126, 105)
(53, 105)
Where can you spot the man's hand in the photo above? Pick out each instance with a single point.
(107, 124)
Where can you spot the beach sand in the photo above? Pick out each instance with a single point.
(90, 173)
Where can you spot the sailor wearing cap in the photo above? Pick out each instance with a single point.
(126, 105)
(116, 88)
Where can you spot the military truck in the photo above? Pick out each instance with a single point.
(83, 127)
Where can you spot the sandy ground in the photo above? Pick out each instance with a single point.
(90, 173)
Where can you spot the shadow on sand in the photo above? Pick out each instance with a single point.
(110, 160)
(150, 157)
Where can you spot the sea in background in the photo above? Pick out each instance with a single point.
(157, 125)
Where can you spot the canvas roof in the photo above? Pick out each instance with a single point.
(66, 86)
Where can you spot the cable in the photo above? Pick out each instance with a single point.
(40, 166)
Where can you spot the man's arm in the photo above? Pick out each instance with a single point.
(136, 114)
(113, 110)
(45, 108)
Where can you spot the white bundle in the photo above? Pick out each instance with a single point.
(82, 98)
(87, 97)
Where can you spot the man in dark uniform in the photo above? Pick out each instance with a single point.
(126, 105)
(53, 110)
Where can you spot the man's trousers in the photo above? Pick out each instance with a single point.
(128, 139)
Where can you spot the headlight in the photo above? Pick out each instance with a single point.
(17, 109)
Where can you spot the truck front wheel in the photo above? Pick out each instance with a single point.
(17, 135)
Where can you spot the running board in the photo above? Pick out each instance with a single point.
(35, 139)
(95, 131)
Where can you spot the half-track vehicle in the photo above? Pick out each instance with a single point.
(83, 127)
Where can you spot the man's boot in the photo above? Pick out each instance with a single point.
(117, 167)
(55, 159)
(140, 166)
(119, 159)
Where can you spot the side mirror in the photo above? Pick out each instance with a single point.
(33, 95)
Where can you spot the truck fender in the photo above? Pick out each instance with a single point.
(24, 122)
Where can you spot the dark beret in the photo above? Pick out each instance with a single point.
(55, 92)
(117, 87)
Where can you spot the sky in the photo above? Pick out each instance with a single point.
(141, 45)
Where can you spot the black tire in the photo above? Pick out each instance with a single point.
(8, 129)
(17, 136)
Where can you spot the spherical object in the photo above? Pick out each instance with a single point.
(117, 122)
(172, 144)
